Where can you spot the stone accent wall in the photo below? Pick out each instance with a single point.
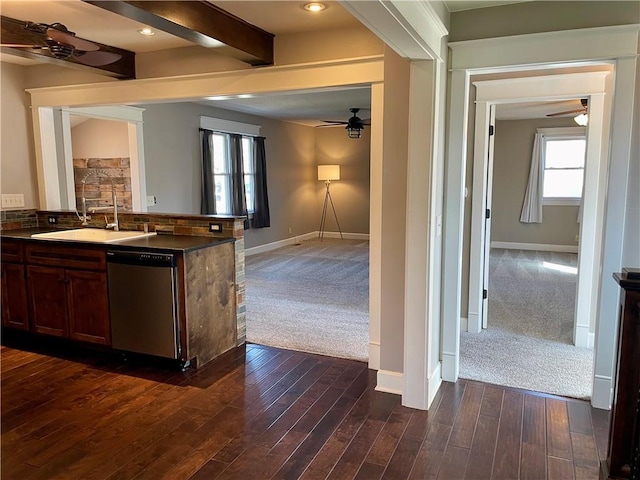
(16, 219)
(98, 188)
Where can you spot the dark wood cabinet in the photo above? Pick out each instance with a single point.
(69, 300)
(15, 312)
(48, 300)
(88, 306)
(623, 455)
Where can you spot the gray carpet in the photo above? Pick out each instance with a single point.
(528, 342)
(312, 297)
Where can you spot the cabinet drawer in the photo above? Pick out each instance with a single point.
(12, 251)
(63, 256)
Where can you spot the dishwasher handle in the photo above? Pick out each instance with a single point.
(148, 259)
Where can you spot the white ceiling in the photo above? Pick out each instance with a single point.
(278, 17)
(304, 107)
(460, 5)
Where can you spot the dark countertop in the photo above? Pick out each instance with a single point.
(158, 243)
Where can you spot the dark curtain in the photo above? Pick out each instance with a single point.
(238, 199)
(261, 216)
(208, 203)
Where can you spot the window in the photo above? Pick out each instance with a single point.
(222, 171)
(564, 158)
(222, 161)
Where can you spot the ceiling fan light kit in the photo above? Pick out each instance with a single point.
(581, 119)
(354, 125)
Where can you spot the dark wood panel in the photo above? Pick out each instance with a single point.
(48, 300)
(88, 306)
(260, 412)
(89, 258)
(507, 458)
(15, 309)
(483, 449)
(558, 436)
(533, 463)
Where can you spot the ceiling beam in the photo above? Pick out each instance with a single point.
(199, 22)
(12, 32)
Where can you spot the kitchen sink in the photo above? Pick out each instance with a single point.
(95, 235)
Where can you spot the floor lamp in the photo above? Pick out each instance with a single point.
(327, 173)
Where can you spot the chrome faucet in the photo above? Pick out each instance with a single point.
(84, 217)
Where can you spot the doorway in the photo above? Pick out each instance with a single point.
(541, 88)
(531, 269)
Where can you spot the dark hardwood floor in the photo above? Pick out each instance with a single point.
(259, 412)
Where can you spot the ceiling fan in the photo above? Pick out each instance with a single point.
(583, 102)
(63, 44)
(354, 125)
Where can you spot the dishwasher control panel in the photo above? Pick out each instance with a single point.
(141, 258)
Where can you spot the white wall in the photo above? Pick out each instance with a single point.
(18, 169)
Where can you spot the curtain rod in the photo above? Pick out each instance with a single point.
(231, 133)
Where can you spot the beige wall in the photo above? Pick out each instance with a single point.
(394, 196)
(172, 162)
(97, 138)
(351, 193)
(540, 16)
(18, 169)
(325, 45)
(511, 162)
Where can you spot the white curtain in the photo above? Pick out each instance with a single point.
(532, 205)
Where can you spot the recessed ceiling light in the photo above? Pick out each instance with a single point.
(245, 95)
(146, 31)
(314, 7)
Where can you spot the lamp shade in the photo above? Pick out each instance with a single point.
(328, 172)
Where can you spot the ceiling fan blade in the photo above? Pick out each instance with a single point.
(20, 45)
(97, 59)
(330, 125)
(335, 122)
(68, 39)
(568, 112)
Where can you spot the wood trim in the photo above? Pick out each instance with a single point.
(201, 23)
(13, 32)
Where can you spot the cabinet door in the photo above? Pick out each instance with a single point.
(14, 296)
(48, 300)
(87, 294)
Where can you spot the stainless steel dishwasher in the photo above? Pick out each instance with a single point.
(143, 303)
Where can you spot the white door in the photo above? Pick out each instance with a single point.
(481, 216)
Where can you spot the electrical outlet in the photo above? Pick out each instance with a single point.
(215, 227)
(12, 200)
(52, 220)
(290, 230)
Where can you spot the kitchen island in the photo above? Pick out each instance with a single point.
(59, 287)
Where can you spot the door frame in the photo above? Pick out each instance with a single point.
(489, 93)
(613, 46)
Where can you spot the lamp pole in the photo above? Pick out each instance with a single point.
(327, 200)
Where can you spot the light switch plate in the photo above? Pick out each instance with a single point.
(12, 200)
(151, 200)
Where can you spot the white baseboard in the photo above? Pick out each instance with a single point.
(602, 394)
(390, 382)
(582, 336)
(464, 324)
(374, 355)
(267, 247)
(542, 247)
(591, 341)
(346, 235)
(450, 367)
(473, 323)
(434, 383)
